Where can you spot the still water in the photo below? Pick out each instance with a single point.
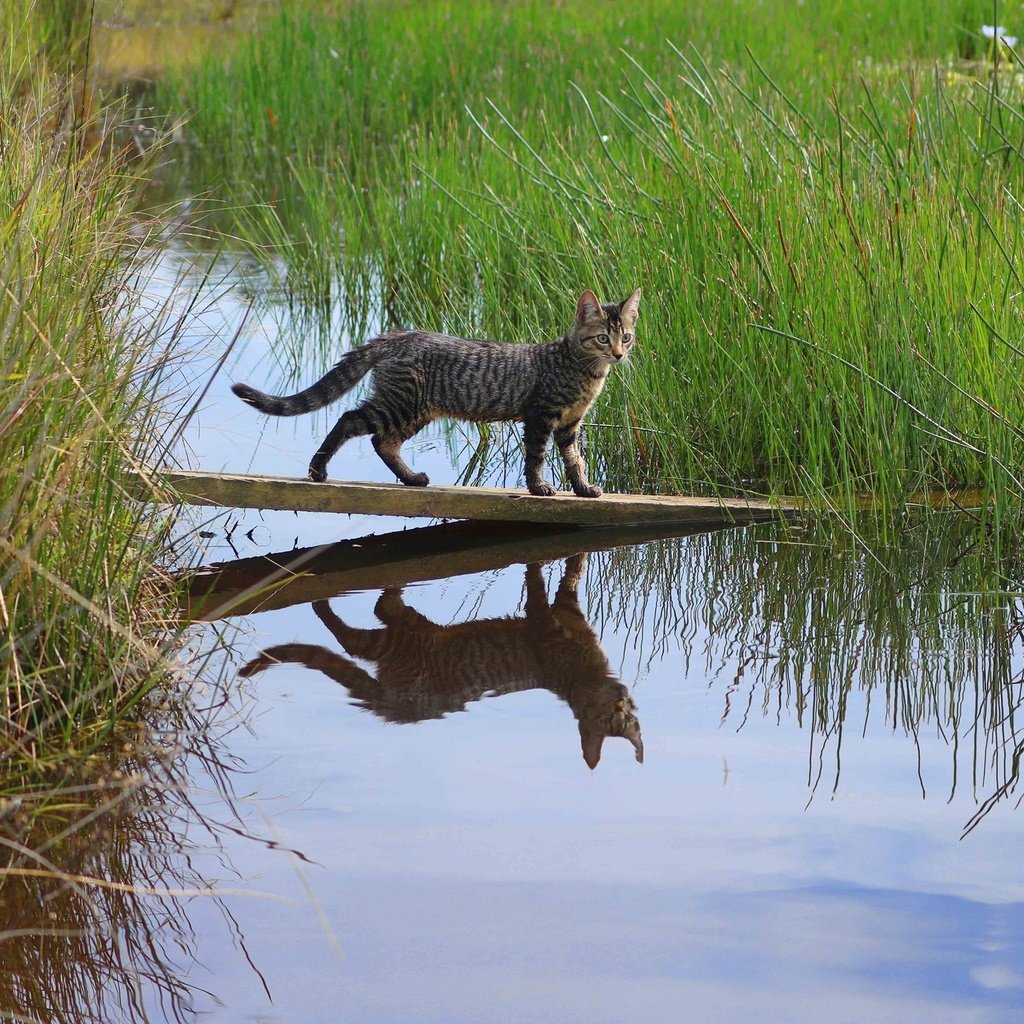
(458, 774)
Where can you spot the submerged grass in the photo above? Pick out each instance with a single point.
(81, 625)
(820, 202)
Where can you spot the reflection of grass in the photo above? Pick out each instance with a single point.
(97, 877)
(470, 169)
(79, 619)
(917, 633)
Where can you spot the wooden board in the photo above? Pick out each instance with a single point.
(269, 492)
(267, 582)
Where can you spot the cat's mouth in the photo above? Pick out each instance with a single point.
(622, 721)
(606, 359)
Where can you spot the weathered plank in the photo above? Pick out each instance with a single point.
(267, 582)
(230, 490)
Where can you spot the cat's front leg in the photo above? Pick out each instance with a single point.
(567, 439)
(536, 591)
(535, 437)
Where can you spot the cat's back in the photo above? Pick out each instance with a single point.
(468, 378)
(419, 347)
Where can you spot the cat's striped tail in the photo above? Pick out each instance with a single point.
(351, 368)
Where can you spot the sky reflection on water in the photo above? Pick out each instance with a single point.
(472, 867)
(819, 726)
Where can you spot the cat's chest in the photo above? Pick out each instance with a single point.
(578, 403)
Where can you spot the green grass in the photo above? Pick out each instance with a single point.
(81, 622)
(819, 201)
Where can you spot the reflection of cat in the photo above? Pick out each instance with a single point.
(426, 671)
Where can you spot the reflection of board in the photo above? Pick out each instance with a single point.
(271, 492)
(266, 582)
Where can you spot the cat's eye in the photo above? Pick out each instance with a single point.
(602, 339)
(627, 339)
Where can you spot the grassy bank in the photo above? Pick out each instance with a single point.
(819, 201)
(80, 623)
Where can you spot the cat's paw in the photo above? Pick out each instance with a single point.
(542, 490)
(417, 480)
(318, 474)
(590, 491)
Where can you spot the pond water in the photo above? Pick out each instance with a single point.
(401, 776)
(481, 774)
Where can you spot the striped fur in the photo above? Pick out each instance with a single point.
(419, 377)
(424, 670)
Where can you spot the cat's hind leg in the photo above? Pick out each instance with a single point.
(392, 610)
(388, 447)
(355, 423)
(368, 644)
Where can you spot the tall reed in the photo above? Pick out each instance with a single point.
(820, 202)
(81, 625)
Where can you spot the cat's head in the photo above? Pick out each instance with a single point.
(615, 719)
(605, 333)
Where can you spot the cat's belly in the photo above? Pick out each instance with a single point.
(482, 409)
(477, 415)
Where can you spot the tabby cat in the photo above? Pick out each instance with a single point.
(425, 670)
(419, 377)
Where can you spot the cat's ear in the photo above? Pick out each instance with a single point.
(631, 306)
(588, 307)
(638, 746)
(591, 742)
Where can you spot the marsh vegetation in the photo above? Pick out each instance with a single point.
(82, 625)
(822, 205)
